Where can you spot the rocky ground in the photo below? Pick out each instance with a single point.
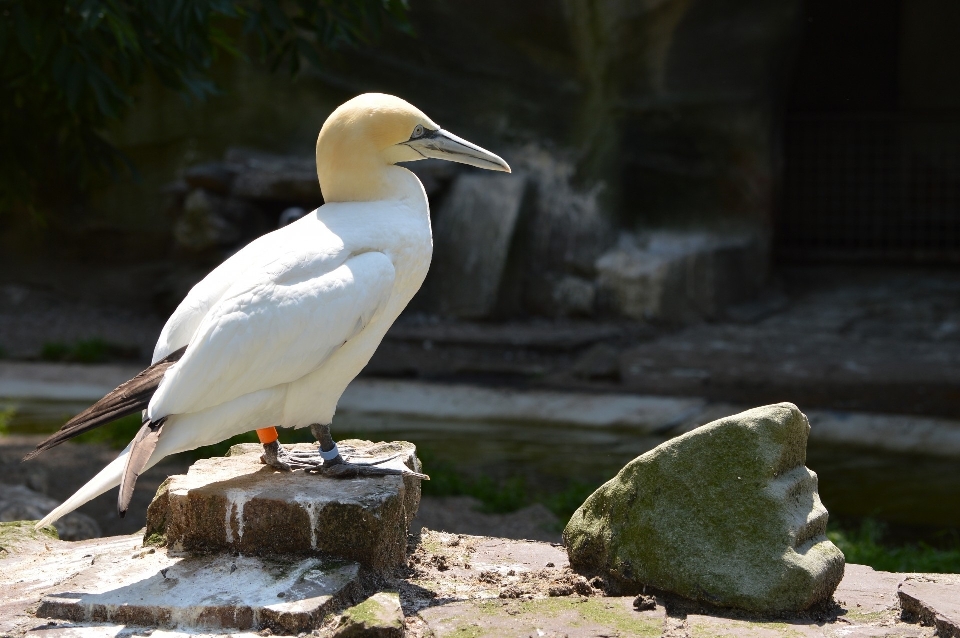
(452, 585)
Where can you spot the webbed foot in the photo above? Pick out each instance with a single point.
(286, 460)
(338, 467)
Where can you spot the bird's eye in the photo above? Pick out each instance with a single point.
(417, 131)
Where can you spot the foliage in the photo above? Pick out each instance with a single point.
(86, 351)
(54, 351)
(69, 67)
(865, 546)
(7, 412)
(495, 497)
(564, 503)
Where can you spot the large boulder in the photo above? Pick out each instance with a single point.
(725, 514)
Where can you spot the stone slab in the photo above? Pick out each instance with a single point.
(90, 588)
(676, 414)
(61, 381)
(474, 403)
(237, 504)
(215, 592)
(544, 617)
(935, 600)
(88, 630)
(865, 590)
(716, 626)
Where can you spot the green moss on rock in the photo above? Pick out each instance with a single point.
(726, 514)
(20, 536)
(379, 616)
(155, 533)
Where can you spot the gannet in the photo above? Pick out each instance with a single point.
(274, 335)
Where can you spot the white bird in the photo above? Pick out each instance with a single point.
(274, 335)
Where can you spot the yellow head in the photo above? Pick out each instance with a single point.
(373, 131)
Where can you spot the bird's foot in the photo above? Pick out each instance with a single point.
(338, 467)
(276, 457)
(285, 460)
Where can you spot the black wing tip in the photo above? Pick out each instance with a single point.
(122, 401)
(41, 448)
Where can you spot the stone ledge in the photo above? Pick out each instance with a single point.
(237, 504)
(934, 600)
(210, 592)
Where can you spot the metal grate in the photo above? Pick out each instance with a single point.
(880, 187)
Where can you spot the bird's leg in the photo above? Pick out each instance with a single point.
(276, 456)
(335, 465)
(273, 455)
(328, 447)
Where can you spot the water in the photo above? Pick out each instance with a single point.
(913, 494)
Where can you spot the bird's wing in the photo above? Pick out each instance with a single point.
(273, 327)
(186, 319)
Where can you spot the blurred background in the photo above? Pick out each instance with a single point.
(714, 205)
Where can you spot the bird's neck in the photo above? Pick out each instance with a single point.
(363, 177)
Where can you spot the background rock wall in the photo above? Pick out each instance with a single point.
(621, 115)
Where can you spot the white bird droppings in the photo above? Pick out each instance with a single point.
(236, 499)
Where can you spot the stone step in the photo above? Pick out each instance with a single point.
(212, 592)
(934, 600)
(236, 504)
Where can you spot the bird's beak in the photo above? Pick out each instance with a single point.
(440, 144)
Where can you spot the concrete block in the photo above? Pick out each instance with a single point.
(680, 277)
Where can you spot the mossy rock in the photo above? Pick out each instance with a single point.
(379, 616)
(726, 514)
(20, 537)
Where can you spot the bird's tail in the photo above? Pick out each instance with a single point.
(109, 477)
(130, 397)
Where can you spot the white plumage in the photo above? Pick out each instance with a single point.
(275, 333)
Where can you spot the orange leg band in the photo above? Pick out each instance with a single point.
(267, 435)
